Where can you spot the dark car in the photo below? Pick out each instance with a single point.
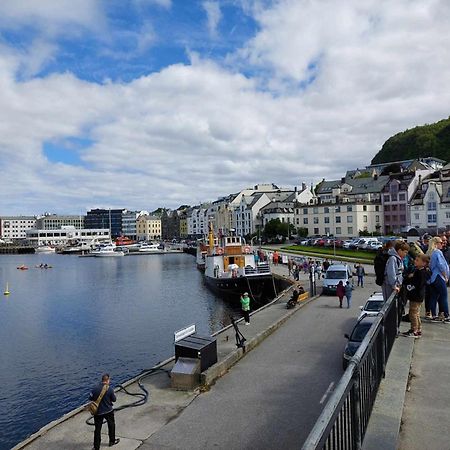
(356, 337)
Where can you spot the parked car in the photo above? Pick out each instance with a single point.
(334, 274)
(375, 245)
(356, 337)
(302, 242)
(319, 242)
(373, 305)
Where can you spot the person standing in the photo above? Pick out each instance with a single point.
(360, 273)
(393, 272)
(438, 281)
(245, 304)
(290, 266)
(105, 411)
(340, 292)
(348, 288)
(415, 285)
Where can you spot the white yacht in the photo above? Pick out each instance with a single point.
(107, 250)
(44, 249)
(150, 248)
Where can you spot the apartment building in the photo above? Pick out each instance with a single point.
(16, 227)
(148, 228)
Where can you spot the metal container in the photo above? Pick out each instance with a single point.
(199, 347)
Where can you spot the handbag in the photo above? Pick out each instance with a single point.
(92, 407)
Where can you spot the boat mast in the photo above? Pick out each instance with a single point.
(211, 237)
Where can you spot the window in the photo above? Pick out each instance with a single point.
(327, 230)
(305, 210)
(377, 208)
(402, 218)
(387, 198)
(448, 192)
(387, 208)
(338, 219)
(326, 210)
(387, 218)
(431, 218)
(431, 196)
(447, 215)
(401, 197)
(377, 218)
(349, 208)
(416, 216)
(316, 231)
(338, 230)
(365, 219)
(431, 206)
(349, 219)
(315, 220)
(338, 209)
(297, 221)
(350, 231)
(305, 221)
(364, 207)
(326, 219)
(402, 207)
(394, 207)
(315, 210)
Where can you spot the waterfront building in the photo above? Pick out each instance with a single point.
(55, 222)
(430, 204)
(183, 224)
(15, 227)
(105, 218)
(170, 224)
(343, 208)
(198, 220)
(129, 219)
(67, 235)
(148, 227)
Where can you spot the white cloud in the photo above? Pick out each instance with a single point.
(213, 15)
(194, 132)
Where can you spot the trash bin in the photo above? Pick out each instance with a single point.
(199, 347)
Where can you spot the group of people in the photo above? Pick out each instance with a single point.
(419, 274)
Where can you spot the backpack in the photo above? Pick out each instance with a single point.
(379, 264)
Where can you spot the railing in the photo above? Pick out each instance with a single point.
(343, 422)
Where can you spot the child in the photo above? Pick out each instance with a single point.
(415, 293)
(348, 293)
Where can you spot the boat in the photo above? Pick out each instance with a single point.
(44, 249)
(74, 249)
(126, 242)
(22, 267)
(6, 290)
(43, 266)
(202, 251)
(106, 250)
(231, 269)
(148, 248)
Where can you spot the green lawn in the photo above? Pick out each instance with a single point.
(342, 252)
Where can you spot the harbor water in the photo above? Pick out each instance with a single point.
(62, 327)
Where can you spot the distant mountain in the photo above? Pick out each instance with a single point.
(418, 142)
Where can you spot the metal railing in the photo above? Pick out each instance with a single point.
(343, 422)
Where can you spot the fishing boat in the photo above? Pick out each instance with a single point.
(231, 269)
(202, 251)
(106, 250)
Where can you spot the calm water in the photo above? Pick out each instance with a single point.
(62, 327)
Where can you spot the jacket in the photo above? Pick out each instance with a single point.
(438, 266)
(393, 273)
(245, 302)
(415, 285)
(106, 405)
(348, 290)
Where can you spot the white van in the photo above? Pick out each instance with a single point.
(334, 274)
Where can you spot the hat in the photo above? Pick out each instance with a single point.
(245, 293)
(426, 236)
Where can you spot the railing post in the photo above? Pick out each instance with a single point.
(356, 409)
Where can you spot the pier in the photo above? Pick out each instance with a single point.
(15, 249)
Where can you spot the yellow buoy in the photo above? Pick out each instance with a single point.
(6, 290)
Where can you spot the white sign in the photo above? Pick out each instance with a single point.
(184, 332)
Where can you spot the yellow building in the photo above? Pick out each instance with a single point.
(183, 227)
(148, 228)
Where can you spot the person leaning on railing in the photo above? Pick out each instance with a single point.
(393, 272)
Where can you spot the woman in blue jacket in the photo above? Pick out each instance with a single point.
(438, 281)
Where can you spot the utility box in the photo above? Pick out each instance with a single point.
(185, 374)
(188, 344)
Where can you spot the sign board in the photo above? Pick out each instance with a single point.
(184, 332)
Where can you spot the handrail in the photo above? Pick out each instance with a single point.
(343, 421)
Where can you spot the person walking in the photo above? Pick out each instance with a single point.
(415, 285)
(245, 304)
(340, 292)
(348, 288)
(438, 281)
(105, 411)
(360, 273)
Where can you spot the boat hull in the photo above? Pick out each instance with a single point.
(259, 287)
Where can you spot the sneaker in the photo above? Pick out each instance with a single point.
(410, 333)
(419, 332)
(116, 441)
(446, 320)
(428, 316)
(436, 319)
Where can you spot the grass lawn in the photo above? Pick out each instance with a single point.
(361, 255)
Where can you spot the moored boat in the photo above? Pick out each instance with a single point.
(148, 248)
(44, 249)
(231, 268)
(106, 250)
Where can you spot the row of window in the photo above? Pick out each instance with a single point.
(337, 232)
(394, 197)
(337, 219)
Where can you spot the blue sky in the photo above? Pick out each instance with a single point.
(148, 103)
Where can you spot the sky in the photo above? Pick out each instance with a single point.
(141, 104)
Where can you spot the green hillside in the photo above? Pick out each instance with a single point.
(421, 141)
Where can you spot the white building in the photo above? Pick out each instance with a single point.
(67, 235)
(16, 227)
(198, 220)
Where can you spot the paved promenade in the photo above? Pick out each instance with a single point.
(271, 397)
